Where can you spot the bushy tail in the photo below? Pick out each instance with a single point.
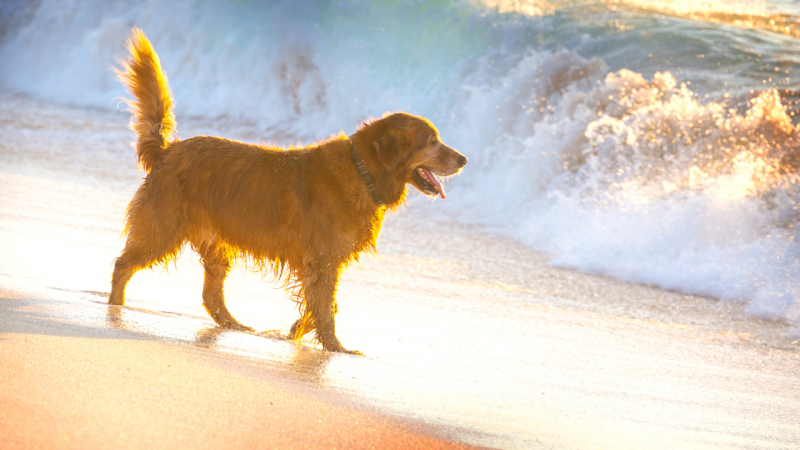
(153, 120)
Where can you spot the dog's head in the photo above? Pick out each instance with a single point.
(410, 151)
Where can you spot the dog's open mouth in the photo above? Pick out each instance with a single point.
(427, 182)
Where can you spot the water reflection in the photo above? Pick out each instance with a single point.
(299, 360)
(208, 337)
(114, 317)
(310, 363)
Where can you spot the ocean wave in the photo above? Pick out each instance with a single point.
(643, 180)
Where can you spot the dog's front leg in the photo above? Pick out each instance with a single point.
(217, 265)
(319, 292)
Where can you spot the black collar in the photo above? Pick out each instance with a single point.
(368, 180)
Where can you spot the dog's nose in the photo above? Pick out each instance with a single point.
(462, 160)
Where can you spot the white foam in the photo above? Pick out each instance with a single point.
(642, 181)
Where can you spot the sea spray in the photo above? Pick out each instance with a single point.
(642, 180)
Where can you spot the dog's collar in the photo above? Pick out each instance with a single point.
(368, 180)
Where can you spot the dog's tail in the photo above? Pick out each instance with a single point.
(153, 119)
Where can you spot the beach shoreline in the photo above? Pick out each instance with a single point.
(70, 386)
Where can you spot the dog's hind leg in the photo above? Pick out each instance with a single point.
(217, 264)
(145, 247)
(155, 234)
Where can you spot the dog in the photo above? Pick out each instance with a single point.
(302, 214)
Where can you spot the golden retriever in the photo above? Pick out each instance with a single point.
(302, 213)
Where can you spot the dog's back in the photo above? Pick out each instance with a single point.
(267, 203)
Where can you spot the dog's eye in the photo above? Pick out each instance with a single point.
(434, 142)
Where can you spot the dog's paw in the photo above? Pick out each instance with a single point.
(340, 349)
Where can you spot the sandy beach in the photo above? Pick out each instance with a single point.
(469, 337)
(70, 386)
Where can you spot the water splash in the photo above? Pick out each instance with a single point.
(644, 180)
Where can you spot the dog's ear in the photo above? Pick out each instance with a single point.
(388, 149)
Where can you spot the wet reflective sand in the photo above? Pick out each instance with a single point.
(471, 334)
(70, 381)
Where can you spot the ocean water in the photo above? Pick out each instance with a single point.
(654, 141)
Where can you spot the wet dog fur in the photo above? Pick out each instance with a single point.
(301, 213)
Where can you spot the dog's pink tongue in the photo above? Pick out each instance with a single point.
(432, 179)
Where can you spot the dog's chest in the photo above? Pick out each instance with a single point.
(359, 237)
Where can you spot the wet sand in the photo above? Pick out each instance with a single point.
(68, 386)
(468, 336)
